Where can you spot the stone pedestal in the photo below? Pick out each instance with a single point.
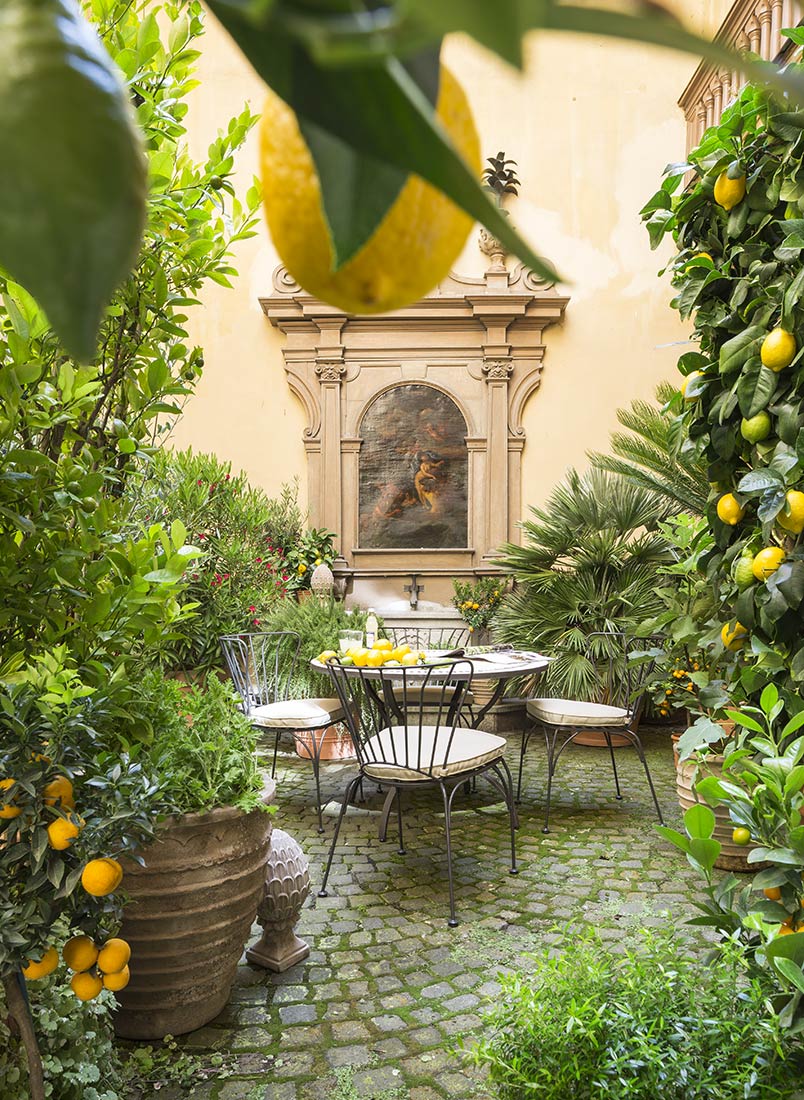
(287, 884)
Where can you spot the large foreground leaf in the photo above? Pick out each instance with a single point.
(72, 172)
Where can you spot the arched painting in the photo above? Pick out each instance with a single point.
(413, 471)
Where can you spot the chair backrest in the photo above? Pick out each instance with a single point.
(431, 637)
(422, 706)
(622, 679)
(261, 665)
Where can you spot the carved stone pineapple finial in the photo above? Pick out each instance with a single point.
(287, 884)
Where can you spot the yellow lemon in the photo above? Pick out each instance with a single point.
(86, 985)
(383, 643)
(729, 510)
(792, 518)
(117, 981)
(375, 658)
(409, 659)
(62, 832)
(778, 349)
(729, 192)
(44, 966)
(80, 953)
(59, 790)
(703, 256)
(360, 657)
(733, 636)
(8, 809)
(767, 561)
(413, 248)
(114, 955)
(756, 428)
(327, 655)
(400, 652)
(741, 836)
(690, 378)
(101, 877)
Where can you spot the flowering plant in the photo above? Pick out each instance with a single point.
(478, 601)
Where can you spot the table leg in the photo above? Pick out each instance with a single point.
(495, 698)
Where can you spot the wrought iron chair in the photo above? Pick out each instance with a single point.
(403, 742)
(617, 711)
(262, 667)
(435, 637)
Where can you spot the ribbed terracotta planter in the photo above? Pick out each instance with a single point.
(733, 857)
(190, 912)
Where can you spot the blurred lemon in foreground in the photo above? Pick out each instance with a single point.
(412, 249)
(692, 377)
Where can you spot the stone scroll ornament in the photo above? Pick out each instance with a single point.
(287, 884)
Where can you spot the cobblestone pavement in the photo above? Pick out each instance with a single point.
(378, 1009)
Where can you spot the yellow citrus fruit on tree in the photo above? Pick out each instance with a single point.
(772, 893)
(767, 561)
(8, 809)
(413, 248)
(691, 377)
(80, 953)
(741, 836)
(778, 349)
(792, 518)
(114, 955)
(59, 789)
(62, 832)
(86, 985)
(729, 192)
(44, 966)
(729, 510)
(756, 428)
(118, 980)
(743, 572)
(101, 877)
(733, 636)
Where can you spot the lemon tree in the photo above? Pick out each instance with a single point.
(738, 225)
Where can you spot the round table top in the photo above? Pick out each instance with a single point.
(501, 664)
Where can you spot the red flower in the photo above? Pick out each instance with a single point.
(227, 477)
(258, 561)
(252, 608)
(284, 576)
(200, 481)
(226, 576)
(256, 622)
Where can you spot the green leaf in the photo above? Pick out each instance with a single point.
(699, 821)
(379, 111)
(740, 348)
(758, 481)
(792, 971)
(499, 26)
(73, 194)
(674, 837)
(756, 387)
(356, 190)
(704, 852)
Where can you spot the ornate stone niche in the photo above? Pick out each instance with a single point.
(478, 345)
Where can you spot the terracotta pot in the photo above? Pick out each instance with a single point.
(598, 740)
(190, 912)
(303, 594)
(733, 857)
(336, 744)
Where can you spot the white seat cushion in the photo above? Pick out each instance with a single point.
(297, 714)
(397, 749)
(572, 712)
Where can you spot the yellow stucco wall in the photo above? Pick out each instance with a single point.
(591, 124)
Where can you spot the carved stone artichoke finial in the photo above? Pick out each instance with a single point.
(287, 884)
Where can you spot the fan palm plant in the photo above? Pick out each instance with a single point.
(647, 454)
(588, 564)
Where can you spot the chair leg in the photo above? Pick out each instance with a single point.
(447, 796)
(401, 848)
(507, 786)
(348, 795)
(641, 754)
(276, 752)
(551, 764)
(610, 744)
(316, 758)
(526, 736)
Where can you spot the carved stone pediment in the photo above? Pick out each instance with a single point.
(479, 340)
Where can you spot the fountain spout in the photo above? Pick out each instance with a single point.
(414, 588)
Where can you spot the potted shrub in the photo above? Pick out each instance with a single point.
(477, 603)
(193, 892)
(318, 622)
